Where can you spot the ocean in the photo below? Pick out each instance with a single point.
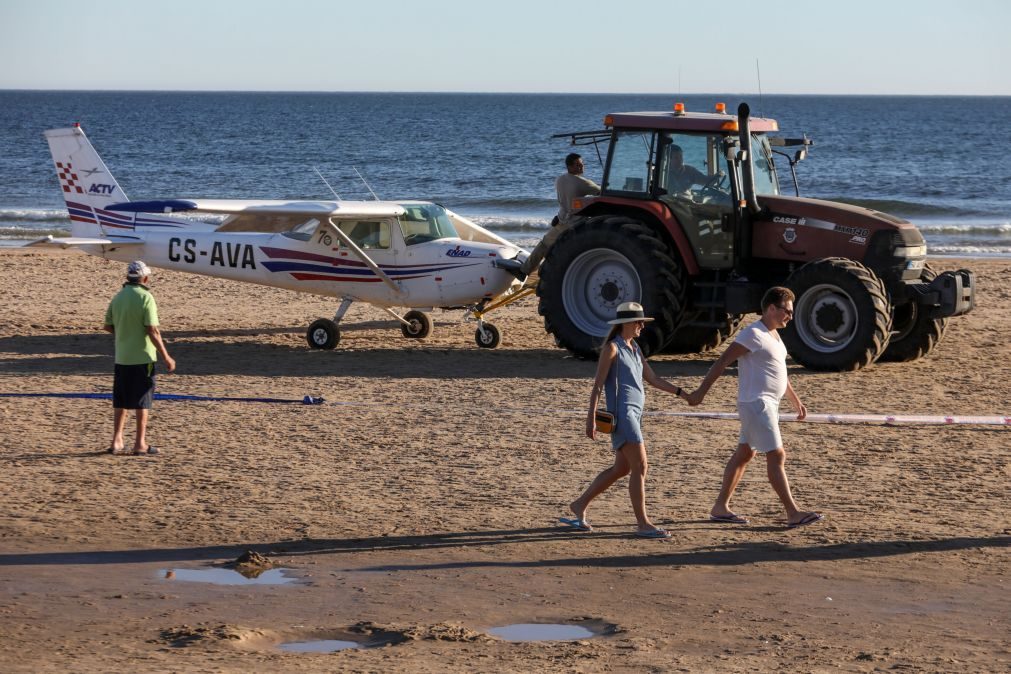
(939, 162)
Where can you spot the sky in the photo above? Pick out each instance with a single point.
(886, 47)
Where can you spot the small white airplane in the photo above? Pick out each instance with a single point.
(410, 254)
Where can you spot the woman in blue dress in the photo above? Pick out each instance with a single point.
(620, 373)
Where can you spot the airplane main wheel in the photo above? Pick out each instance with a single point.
(488, 336)
(323, 334)
(420, 325)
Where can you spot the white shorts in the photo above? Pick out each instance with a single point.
(760, 425)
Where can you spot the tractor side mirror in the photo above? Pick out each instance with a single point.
(800, 156)
(731, 152)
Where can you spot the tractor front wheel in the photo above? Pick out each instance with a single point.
(914, 332)
(842, 316)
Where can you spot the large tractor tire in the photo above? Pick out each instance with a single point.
(694, 339)
(842, 315)
(597, 265)
(914, 332)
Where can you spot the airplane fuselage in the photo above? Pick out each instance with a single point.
(436, 273)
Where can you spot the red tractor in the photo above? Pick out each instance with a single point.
(698, 247)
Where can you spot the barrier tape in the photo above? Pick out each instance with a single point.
(880, 419)
(306, 400)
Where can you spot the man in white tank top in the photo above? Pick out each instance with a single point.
(762, 382)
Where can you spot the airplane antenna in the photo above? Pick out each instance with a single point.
(758, 72)
(327, 184)
(366, 183)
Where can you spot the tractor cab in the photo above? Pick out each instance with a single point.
(692, 163)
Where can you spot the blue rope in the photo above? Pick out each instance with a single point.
(306, 400)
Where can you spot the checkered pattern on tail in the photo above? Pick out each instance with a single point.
(68, 179)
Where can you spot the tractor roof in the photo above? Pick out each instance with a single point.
(686, 121)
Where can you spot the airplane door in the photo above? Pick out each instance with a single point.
(378, 240)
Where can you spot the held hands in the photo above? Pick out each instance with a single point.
(695, 397)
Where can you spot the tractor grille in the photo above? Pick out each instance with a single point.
(881, 254)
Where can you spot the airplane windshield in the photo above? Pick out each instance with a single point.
(425, 222)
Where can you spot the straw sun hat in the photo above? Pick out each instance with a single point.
(629, 312)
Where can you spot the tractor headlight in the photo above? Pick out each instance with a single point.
(911, 251)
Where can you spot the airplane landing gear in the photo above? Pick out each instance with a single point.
(416, 325)
(487, 336)
(323, 334)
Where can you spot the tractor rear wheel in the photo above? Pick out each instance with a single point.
(596, 266)
(914, 332)
(842, 316)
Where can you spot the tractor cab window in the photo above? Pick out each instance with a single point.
(630, 164)
(421, 223)
(686, 165)
(367, 234)
(766, 181)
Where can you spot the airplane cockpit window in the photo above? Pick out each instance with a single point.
(303, 231)
(421, 223)
(367, 234)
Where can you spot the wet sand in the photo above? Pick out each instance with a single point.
(428, 515)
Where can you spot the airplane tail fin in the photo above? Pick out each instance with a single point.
(88, 186)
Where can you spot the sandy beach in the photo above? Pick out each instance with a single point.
(425, 514)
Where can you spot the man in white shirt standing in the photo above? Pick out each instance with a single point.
(762, 381)
(568, 186)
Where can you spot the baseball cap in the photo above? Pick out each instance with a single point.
(137, 270)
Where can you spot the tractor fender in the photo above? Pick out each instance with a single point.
(648, 212)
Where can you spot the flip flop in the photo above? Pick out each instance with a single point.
(150, 450)
(576, 523)
(807, 519)
(729, 519)
(655, 533)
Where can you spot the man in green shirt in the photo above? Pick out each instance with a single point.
(132, 317)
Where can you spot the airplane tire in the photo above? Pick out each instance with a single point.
(420, 325)
(488, 337)
(842, 315)
(915, 333)
(323, 334)
(597, 265)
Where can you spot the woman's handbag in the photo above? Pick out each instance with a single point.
(604, 421)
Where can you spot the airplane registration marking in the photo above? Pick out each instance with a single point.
(223, 253)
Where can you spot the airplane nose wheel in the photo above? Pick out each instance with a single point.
(323, 334)
(487, 336)
(420, 325)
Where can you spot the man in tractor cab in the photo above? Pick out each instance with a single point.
(568, 186)
(681, 176)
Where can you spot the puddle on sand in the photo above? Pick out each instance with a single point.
(227, 576)
(541, 632)
(322, 646)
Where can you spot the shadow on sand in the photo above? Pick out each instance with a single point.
(721, 555)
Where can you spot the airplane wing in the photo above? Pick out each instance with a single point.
(268, 207)
(73, 241)
(265, 215)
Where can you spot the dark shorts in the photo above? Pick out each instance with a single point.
(133, 387)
